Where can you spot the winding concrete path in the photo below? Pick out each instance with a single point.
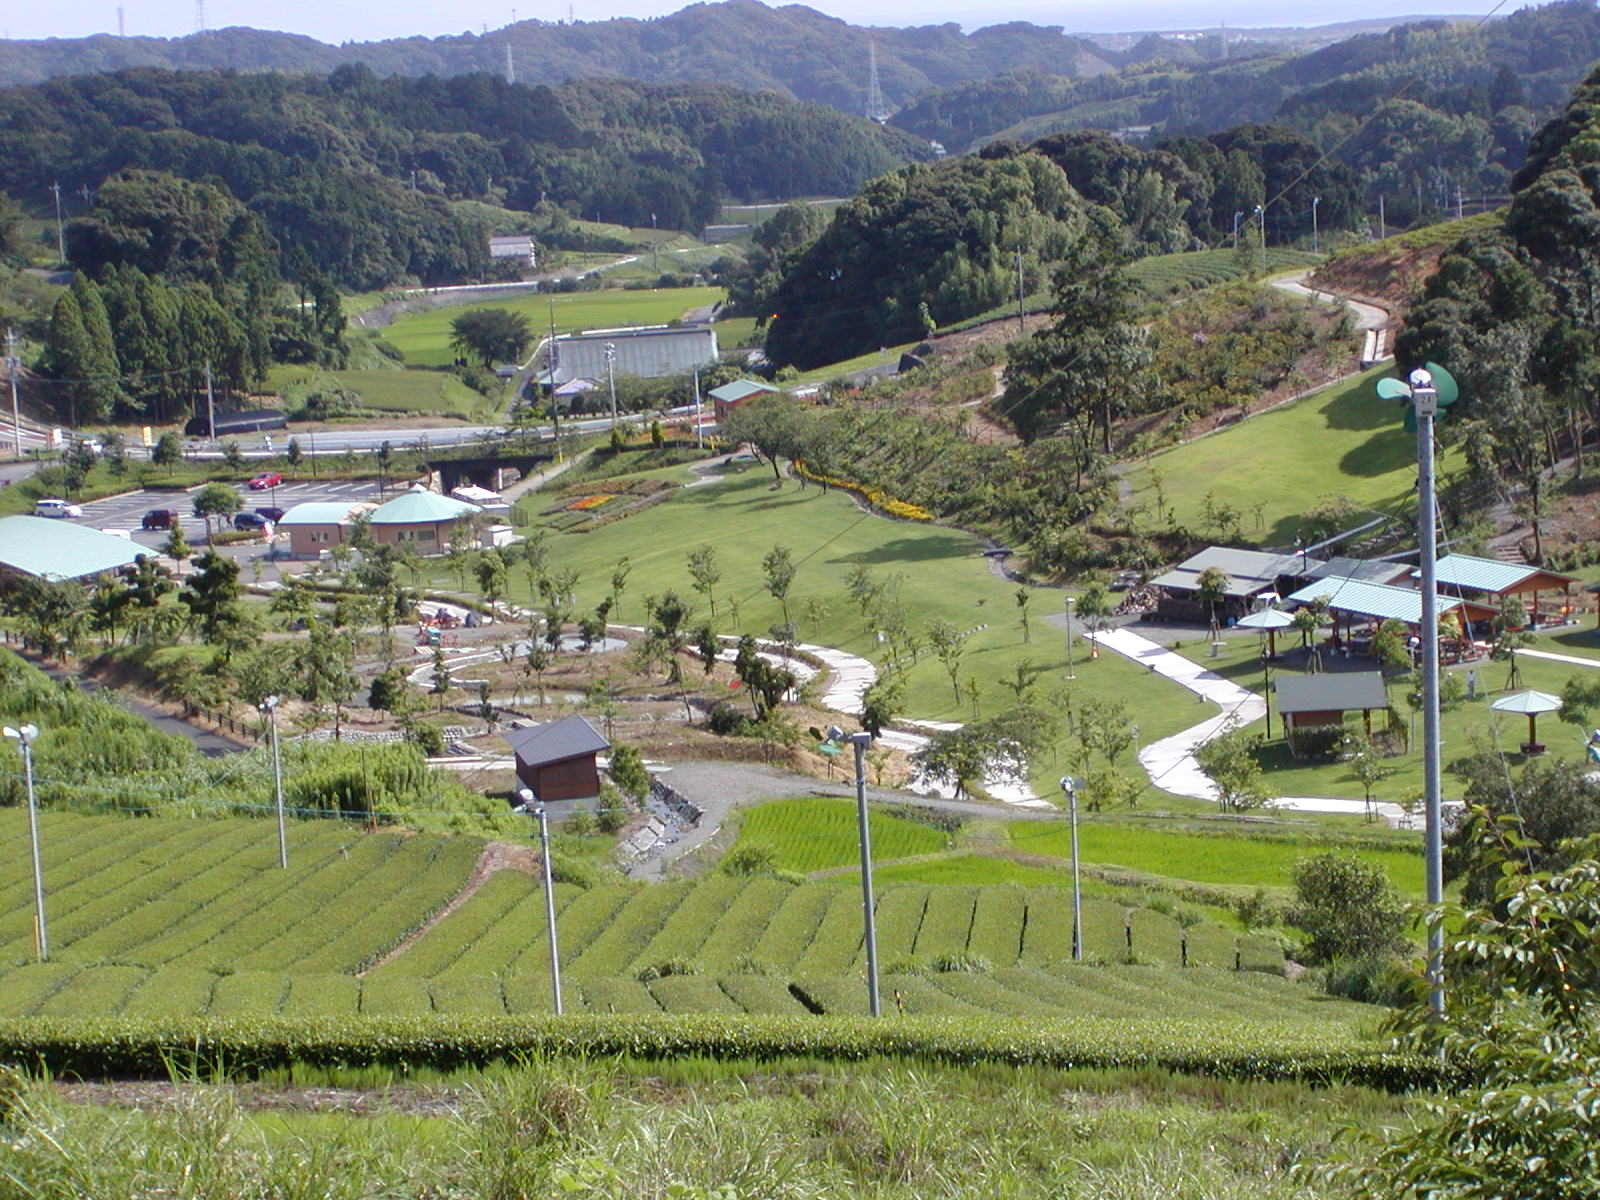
(1170, 762)
(1367, 316)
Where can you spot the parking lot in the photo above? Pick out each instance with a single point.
(124, 513)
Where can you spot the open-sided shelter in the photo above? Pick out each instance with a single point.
(1309, 701)
(556, 760)
(1249, 572)
(1353, 599)
(1462, 573)
(53, 550)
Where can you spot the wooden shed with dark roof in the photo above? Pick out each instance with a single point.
(556, 760)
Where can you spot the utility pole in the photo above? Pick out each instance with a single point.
(211, 405)
(61, 232)
(655, 265)
(24, 735)
(699, 438)
(1383, 230)
(611, 379)
(1261, 211)
(550, 363)
(1315, 244)
(12, 363)
(1019, 291)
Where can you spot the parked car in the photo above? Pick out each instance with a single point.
(271, 513)
(252, 521)
(160, 518)
(265, 480)
(52, 507)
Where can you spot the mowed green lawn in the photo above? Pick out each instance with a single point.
(1463, 727)
(941, 575)
(1341, 441)
(432, 392)
(424, 338)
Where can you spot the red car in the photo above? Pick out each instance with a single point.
(267, 479)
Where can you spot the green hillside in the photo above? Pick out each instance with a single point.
(187, 918)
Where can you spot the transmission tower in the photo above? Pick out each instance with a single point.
(877, 107)
(200, 16)
(122, 27)
(511, 67)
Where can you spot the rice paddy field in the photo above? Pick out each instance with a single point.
(185, 918)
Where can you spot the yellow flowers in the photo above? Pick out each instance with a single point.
(875, 496)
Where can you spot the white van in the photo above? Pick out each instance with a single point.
(51, 507)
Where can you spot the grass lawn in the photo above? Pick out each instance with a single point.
(873, 358)
(942, 577)
(424, 338)
(432, 392)
(1341, 441)
(1462, 728)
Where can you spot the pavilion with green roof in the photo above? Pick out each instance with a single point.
(419, 519)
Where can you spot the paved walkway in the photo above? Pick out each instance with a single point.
(1170, 762)
(1591, 663)
(1367, 316)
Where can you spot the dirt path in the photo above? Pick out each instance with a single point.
(496, 857)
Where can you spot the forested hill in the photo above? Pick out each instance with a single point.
(371, 178)
(792, 49)
(1450, 68)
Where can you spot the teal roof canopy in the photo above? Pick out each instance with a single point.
(1377, 600)
(421, 507)
(1488, 574)
(53, 549)
(322, 512)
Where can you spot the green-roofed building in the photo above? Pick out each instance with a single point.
(320, 525)
(52, 550)
(419, 519)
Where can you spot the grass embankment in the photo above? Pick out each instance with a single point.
(794, 1128)
(1341, 441)
(424, 337)
(393, 391)
(941, 574)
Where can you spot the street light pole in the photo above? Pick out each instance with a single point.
(699, 438)
(528, 798)
(1070, 675)
(861, 741)
(24, 736)
(1069, 785)
(1425, 404)
(1261, 212)
(1236, 217)
(1315, 244)
(12, 363)
(270, 707)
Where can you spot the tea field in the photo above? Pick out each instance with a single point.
(175, 918)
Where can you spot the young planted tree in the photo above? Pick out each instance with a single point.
(213, 501)
(668, 630)
(619, 581)
(1212, 587)
(167, 452)
(1023, 595)
(1095, 607)
(1230, 762)
(1511, 634)
(778, 566)
(628, 771)
(327, 673)
(1369, 765)
(705, 574)
(949, 644)
(1346, 908)
(176, 547)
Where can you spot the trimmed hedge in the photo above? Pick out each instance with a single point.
(99, 1049)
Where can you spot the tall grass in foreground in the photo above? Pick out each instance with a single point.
(591, 1129)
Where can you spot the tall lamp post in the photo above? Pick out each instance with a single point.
(531, 803)
(24, 736)
(861, 741)
(1069, 788)
(1315, 243)
(1425, 405)
(270, 707)
(1070, 675)
(1261, 214)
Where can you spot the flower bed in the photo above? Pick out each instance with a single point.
(877, 497)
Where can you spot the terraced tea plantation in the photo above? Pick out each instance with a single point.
(185, 918)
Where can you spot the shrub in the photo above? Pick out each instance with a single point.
(428, 738)
(1347, 909)
(727, 721)
(1369, 981)
(750, 858)
(627, 770)
(611, 812)
(961, 961)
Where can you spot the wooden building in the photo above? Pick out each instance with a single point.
(556, 760)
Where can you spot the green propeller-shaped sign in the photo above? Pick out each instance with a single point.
(1444, 385)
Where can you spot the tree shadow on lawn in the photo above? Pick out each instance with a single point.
(1585, 638)
(1358, 407)
(913, 549)
(1384, 452)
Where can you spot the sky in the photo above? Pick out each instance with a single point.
(335, 22)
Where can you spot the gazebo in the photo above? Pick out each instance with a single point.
(1530, 703)
(1355, 598)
